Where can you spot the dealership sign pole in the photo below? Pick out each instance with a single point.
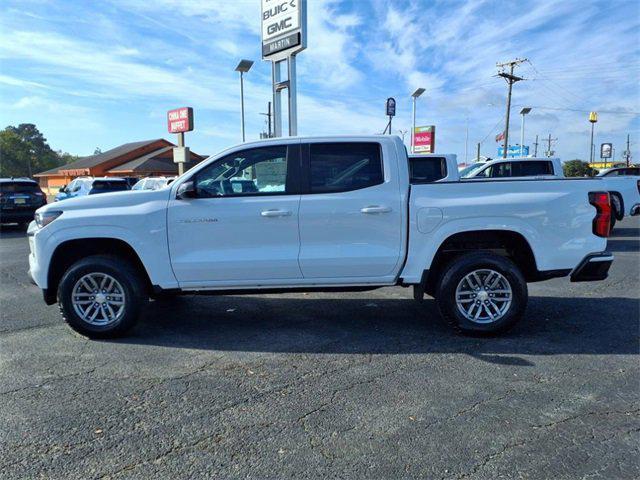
(284, 34)
(179, 121)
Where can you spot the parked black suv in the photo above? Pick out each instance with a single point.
(19, 199)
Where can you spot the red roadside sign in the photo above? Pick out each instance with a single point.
(180, 120)
(424, 139)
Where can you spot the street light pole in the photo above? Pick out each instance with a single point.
(523, 112)
(243, 67)
(593, 118)
(414, 95)
(242, 104)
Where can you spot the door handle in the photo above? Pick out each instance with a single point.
(275, 213)
(375, 209)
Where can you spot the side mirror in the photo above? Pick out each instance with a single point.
(186, 190)
(62, 189)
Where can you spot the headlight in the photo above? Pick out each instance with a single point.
(45, 218)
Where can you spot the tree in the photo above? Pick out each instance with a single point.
(97, 151)
(66, 157)
(24, 151)
(578, 168)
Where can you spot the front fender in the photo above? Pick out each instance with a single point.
(151, 248)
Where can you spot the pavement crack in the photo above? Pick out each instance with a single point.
(586, 414)
(489, 458)
(54, 380)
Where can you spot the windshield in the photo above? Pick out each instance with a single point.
(109, 186)
(22, 187)
(465, 172)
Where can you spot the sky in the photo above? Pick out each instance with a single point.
(98, 74)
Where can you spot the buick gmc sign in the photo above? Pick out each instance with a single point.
(283, 27)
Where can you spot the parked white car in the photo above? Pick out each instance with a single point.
(620, 171)
(328, 213)
(517, 167)
(624, 190)
(152, 183)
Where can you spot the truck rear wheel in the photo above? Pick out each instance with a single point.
(101, 296)
(482, 293)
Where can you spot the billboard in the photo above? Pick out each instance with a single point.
(284, 25)
(180, 120)
(605, 150)
(424, 139)
(514, 151)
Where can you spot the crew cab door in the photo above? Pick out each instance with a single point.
(350, 212)
(242, 225)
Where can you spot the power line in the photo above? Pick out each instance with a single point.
(492, 129)
(556, 86)
(617, 112)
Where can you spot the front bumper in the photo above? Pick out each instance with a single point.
(17, 216)
(593, 267)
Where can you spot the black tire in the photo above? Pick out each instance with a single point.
(135, 295)
(616, 207)
(463, 265)
(612, 222)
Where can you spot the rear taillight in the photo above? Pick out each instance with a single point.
(602, 220)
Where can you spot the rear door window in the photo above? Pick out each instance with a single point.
(427, 169)
(532, 168)
(342, 167)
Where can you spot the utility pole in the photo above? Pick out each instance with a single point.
(478, 152)
(268, 115)
(466, 140)
(535, 151)
(549, 152)
(627, 153)
(511, 79)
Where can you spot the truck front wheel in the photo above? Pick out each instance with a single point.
(101, 296)
(482, 293)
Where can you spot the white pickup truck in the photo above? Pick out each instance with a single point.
(309, 214)
(624, 190)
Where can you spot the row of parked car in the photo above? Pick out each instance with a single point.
(90, 186)
(21, 197)
(622, 183)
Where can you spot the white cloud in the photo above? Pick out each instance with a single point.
(17, 82)
(111, 70)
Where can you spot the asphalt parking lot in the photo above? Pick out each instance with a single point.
(359, 385)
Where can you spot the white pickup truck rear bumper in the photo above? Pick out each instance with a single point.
(593, 267)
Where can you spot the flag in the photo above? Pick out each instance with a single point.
(500, 137)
